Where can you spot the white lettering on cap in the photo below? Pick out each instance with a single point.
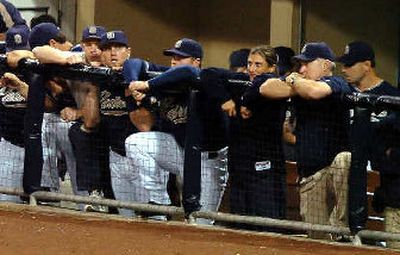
(304, 49)
(346, 50)
(92, 30)
(178, 44)
(110, 35)
(18, 39)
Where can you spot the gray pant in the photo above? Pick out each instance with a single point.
(156, 154)
(56, 142)
(11, 168)
(125, 182)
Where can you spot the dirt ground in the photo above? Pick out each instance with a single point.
(42, 230)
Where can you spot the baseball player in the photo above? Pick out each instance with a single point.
(157, 153)
(255, 162)
(12, 110)
(367, 123)
(90, 138)
(101, 152)
(321, 133)
(82, 134)
(86, 92)
(126, 181)
(49, 46)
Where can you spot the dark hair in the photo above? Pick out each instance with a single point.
(373, 63)
(285, 55)
(44, 18)
(266, 52)
(238, 58)
(60, 38)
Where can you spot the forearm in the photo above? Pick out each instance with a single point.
(49, 55)
(91, 110)
(173, 77)
(132, 69)
(214, 83)
(13, 57)
(310, 89)
(276, 89)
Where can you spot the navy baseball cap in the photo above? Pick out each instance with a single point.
(117, 37)
(10, 16)
(17, 38)
(41, 34)
(185, 48)
(314, 50)
(238, 58)
(356, 52)
(93, 32)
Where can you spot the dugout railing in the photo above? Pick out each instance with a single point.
(225, 217)
(192, 191)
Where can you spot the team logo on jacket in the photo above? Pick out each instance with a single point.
(177, 115)
(173, 112)
(109, 102)
(12, 98)
(377, 117)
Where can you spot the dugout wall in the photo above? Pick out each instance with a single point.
(222, 26)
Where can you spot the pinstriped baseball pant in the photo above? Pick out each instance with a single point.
(55, 141)
(156, 154)
(11, 168)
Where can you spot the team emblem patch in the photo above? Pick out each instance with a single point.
(17, 39)
(178, 44)
(378, 117)
(262, 166)
(346, 50)
(110, 35)
(92, 30)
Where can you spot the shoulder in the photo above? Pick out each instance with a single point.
(263, 77)
(184, 70)
(386, 88)
(337, 84)
(215, 71)
(334, 79)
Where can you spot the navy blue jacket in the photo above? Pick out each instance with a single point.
(170, 87)
(322, 128)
